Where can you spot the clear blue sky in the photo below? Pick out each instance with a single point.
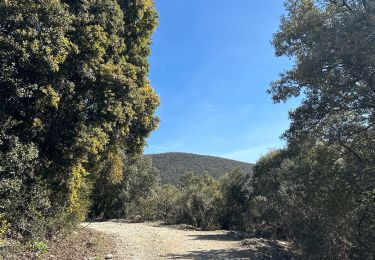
(212, 63)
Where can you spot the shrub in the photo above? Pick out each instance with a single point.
(321, 199)
(24, 200)
(198, 202)
(236, 189)
(118, 197)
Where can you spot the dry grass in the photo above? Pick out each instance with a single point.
(82, 243)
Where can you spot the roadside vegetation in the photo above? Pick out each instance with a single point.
(76, 108)
(318, 191)
(74, 100)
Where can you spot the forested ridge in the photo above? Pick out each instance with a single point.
(76, 107)
(172, 166)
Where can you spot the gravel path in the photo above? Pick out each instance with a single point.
(156, 241)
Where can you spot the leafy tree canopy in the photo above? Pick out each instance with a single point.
(333, 45)
(73, 85)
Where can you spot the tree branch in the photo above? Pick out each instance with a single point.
(348, 148)
(342, 3)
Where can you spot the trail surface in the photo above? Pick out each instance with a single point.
(156, 241)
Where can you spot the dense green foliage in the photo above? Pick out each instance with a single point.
(74, 95)
(333, 45)
(118, 199)
(235, 189)
(319, 197)
(200, 201)
(320, 191)
(172, 166)
(76, 107)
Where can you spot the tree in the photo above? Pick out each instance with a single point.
(235, 188)
(116, 198)
(319, 197)
(73, 79)
(332, 43)
(325, 185)
(265, 211)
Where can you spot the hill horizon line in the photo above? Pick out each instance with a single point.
(199, 154)
(173, 165)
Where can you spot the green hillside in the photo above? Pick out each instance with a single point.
(173, 165)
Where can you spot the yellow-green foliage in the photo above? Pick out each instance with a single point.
(4, 226)
(75, 183)
(79, 186)
(123, 181)
(53, 97)
(96, 40)
(35, 41)
(116, 167)
(37, 123)
(93, 140)
(73, 74)
(39, 247)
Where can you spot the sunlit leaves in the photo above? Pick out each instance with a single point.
(73, 77)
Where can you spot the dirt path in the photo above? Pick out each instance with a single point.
(155, 241)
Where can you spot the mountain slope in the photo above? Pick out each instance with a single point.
(173, 165)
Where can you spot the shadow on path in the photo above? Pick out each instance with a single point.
(216, 254)
(218, 237)
(253, 249)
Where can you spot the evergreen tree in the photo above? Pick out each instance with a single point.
(73, 82)
(333, 45)
(323, 185)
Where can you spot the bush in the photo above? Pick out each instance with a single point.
(236, 190)
(321, 199)
(264, 213)
(193, 202)
(201, 201)
(21, 190)
(158, 204)
(118, 197)
(198, 202)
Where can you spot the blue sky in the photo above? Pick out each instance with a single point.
(211, 64)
